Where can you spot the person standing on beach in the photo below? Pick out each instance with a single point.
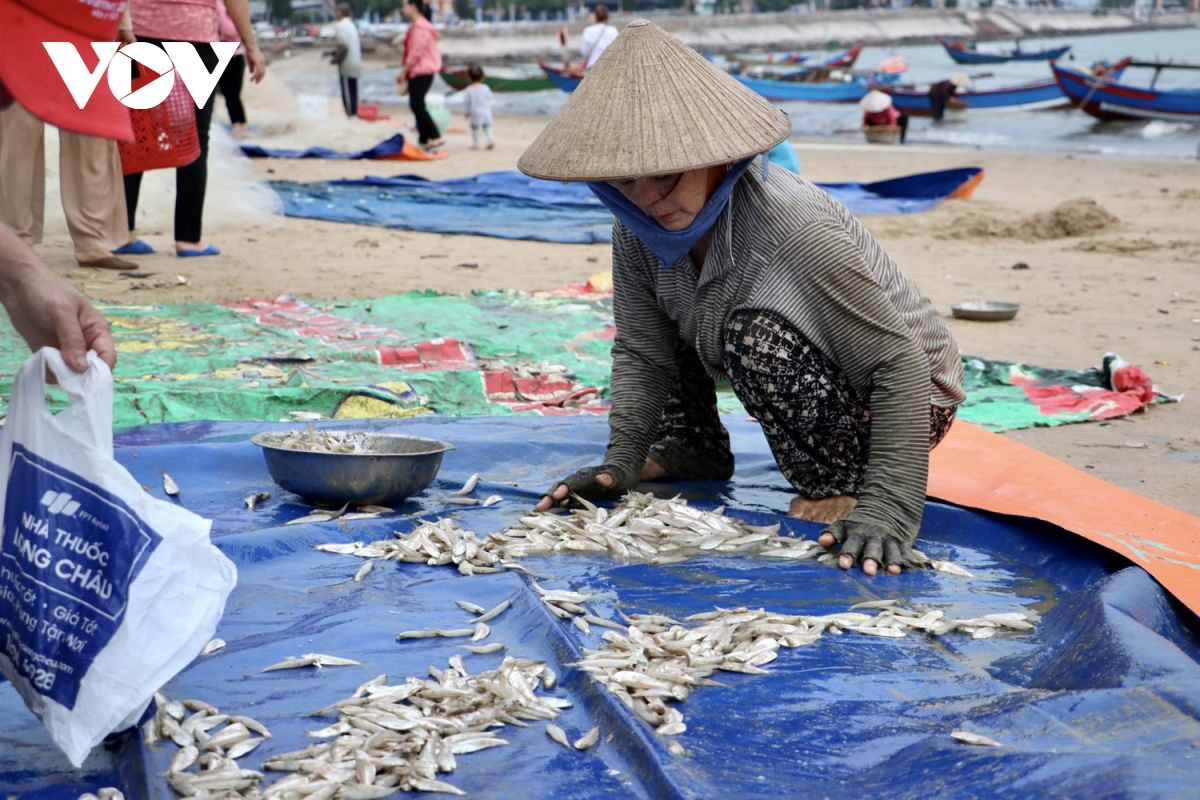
(89, 166)
(195, 22)
(477, 106)
(597, 36)
(233, 76)
(348, 56)
(422, 60)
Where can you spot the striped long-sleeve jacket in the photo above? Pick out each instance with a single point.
(783, 245)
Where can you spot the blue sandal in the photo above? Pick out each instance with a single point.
(138, 248)
(211, 250)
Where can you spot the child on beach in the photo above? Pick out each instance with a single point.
(477, 106)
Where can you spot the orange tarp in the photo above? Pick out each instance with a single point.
(975, 468)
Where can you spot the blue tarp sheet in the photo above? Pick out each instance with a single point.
(385, 149)
(1102, 700)
(509, 205)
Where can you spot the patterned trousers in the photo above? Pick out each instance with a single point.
(817, 425)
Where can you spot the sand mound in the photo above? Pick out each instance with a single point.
(1079, 217)
(1124, 246)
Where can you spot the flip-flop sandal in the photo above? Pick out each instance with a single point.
(138, 248)
(211, 250)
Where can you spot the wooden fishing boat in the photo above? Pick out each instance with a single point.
(850, 91)
(1026, 97)
(566, 79)
(964, 54)
(1106, 98)
(457, 79)
(843, 60)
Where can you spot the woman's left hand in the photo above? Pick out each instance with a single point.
(871, 543)
(256, 62)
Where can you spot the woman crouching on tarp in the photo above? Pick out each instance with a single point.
(724, 266)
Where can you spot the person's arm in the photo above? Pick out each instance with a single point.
(125, 28)
(239, 12)
(46, 310)
(869, 340)
(643, 368)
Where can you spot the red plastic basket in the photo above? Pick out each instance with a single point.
(164, 136)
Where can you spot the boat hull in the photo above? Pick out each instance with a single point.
(788, 91)
(1107, 100)
(1015, 98)
(972, 57)
(560, 78)
(458, 80)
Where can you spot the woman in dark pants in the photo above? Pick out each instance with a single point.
(233, 76)
(422, 61)
(156, 21)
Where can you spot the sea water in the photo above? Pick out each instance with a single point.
(1070, 131)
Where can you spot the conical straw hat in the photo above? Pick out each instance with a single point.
(875, 101)
(652, 106)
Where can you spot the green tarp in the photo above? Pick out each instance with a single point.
(260, 361)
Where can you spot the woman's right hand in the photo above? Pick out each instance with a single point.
(606, 482)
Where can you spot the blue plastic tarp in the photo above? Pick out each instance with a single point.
(385, 149)
(509, 205)
(1102, 700)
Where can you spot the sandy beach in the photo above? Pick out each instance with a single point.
(1121, 275)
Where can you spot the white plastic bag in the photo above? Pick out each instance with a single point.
(105, 592)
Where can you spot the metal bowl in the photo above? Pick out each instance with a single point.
(985, 311)
(397, 468)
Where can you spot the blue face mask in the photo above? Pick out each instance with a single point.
(669, 246)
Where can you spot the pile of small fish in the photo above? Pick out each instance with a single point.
(318, 441)
(641, 528)
(660, 660)
(107, 793)
(399, 737)
(209, 740)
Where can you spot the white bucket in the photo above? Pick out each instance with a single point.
(312, 106)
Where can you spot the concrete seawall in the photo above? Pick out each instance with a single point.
(738, 33)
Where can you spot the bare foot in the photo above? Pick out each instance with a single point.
(651, 470)
(826, 510)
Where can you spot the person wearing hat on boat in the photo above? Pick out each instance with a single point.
(880, 112)
(725, 266)
(941, 92)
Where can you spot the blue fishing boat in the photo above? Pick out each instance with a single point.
(563, 78)
(850, 91)
(964, 54)
(1026, 97)
(1012, 98)
(1105, 98)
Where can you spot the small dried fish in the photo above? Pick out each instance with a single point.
(948, 567)
(470, 608)
(966, 737)
(481, 632)
(213, 646)
(495, 612)
(492, 500)
(425, 634)
(364, 571)
(484, 649)
(342, 548)
(312, 660)
(467, 487)
(316, 516)
(589, 739)
(676, 749)
(170, 486)
(558, 734)
(253, 500)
